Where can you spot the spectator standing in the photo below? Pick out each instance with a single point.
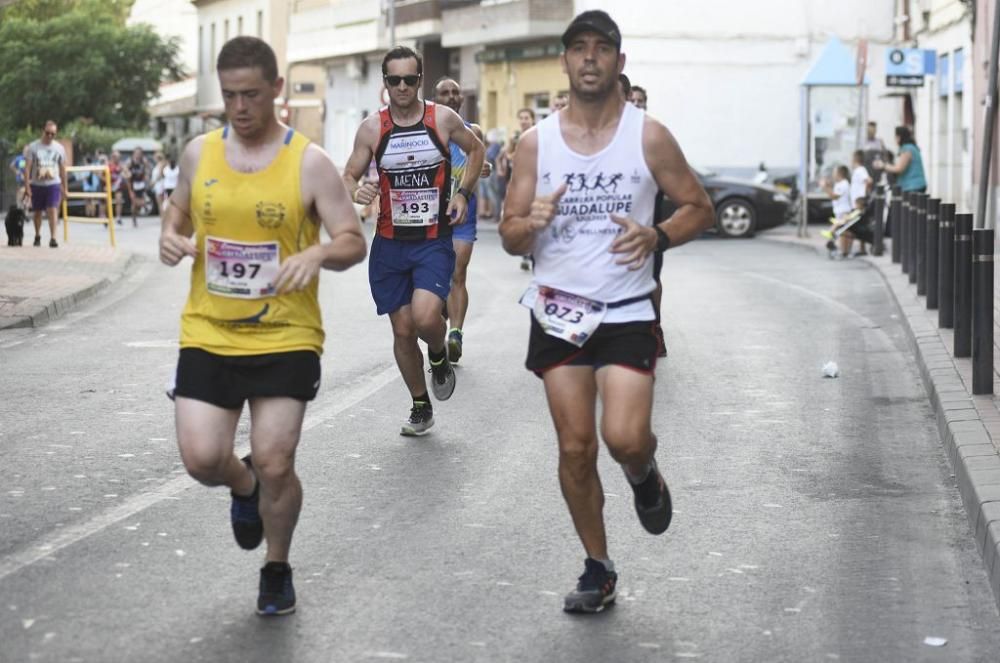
(526, 120)
(157, 178)
(861, 188)
(874, 150)
(171, 171)
(117, 182)
(909, 166)
(46, 169)
(638, 97)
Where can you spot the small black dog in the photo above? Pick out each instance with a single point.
(15, 225)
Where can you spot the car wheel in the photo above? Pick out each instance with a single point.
(735, 218)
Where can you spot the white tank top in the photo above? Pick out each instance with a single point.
(573, 253)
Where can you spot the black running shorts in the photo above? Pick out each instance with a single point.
(228, 381)
(629, 344)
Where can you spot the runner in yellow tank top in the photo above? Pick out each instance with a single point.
(247, 207)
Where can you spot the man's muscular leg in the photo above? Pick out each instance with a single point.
(571, 392)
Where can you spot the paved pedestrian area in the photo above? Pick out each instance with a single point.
(38, 284)
(969, 425)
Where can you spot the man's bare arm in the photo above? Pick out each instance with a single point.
(325, 196)
(332, 208)
(361, 157)
(177, 229)
(475, 151)
(695, 212)
(525, 214)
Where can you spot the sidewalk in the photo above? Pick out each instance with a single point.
(39, 284)
(969, 425)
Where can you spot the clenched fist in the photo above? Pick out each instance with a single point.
(366, 193)
(544, 208)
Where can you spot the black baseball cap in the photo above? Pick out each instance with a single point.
(597, 21)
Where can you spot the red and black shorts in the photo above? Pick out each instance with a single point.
(228, 381)
(629, 344)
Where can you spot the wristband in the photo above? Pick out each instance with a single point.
(662, 239)
(465, 192)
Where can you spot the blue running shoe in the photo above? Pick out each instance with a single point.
(248, 528)
(277, 594)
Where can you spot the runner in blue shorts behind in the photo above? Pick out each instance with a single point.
(448, 92)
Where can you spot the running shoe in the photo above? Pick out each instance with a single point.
(594, 591)
(277, 594)
(53, 244)
(454, 345)
(38, 241)
(661, 341)
(652, 501)
(442, 379)
(248, 528)
(420, 421)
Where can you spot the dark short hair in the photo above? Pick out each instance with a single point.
(639, 88)
(529, 112)
(844, 172)
(402, 53)
(247, 53)
(859, 155)
(872, 123)
(626, 84)
(905, 135)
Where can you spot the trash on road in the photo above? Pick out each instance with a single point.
(830, 369)
(935, 642)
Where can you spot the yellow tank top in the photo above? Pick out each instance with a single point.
(245, 225)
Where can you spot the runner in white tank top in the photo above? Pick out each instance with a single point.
(581, 200)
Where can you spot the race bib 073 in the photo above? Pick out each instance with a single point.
(414, 207)
(567, 316)
(241, 270)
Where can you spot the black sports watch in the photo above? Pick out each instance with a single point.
(662, 239)
(465, 192)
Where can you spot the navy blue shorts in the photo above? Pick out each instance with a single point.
(467, 231)
(397, 267)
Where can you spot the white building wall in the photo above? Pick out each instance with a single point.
(256, 21)
(724, 75)
(352, 93)
(171, 18)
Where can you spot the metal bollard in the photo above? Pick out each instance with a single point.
(931, 261)
(963, 285)
(895, 215)
(982, 311)
(911, 236)
(878, 229)
(904, 227)
(946, 266)
(921, 241)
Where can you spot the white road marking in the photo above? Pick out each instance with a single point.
(336, 402)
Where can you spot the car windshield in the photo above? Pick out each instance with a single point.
(701, 171)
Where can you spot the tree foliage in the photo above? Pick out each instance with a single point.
(82, 63)
(46, 10)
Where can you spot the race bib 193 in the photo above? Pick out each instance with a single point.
(567, 316)
(240, 269)
(414, 207)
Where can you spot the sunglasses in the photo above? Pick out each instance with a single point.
(50, 133)
(410, 81)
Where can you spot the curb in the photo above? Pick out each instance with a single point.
(53, 309)
(968, 444)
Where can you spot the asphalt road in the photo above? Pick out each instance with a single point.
(816, 519)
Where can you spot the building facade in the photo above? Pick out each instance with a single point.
(220, 20)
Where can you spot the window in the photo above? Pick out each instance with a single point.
(239, 25)
(201, 48)
(225, 31)
(211, 46)
(260, 23)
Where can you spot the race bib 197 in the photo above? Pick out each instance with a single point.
(567, 316)
(414, 207)
(240, 269)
